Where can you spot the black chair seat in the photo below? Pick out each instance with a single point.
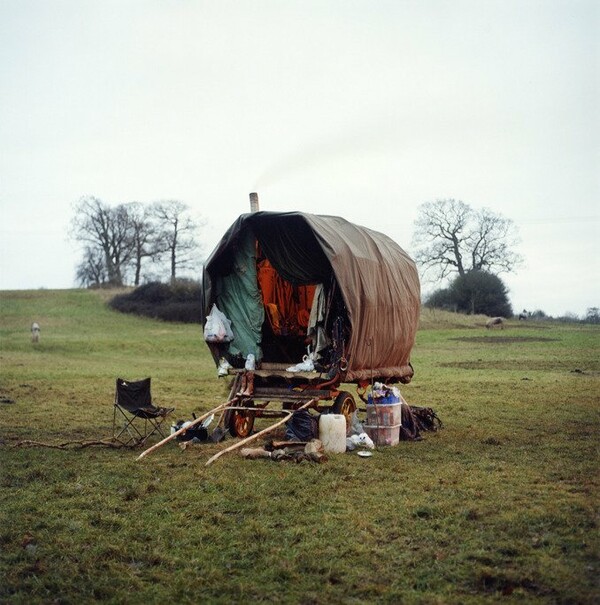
(153, 412)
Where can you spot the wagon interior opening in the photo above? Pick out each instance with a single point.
(287, 306)
(275, 285)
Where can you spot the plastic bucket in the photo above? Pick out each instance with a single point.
(384, 435)
(388, 414)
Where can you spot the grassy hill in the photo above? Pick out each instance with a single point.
(499, 505)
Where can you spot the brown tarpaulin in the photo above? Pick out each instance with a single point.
(378, 281)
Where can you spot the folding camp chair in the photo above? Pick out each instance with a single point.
(133, 400)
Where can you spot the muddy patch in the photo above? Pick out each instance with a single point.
(538, 365)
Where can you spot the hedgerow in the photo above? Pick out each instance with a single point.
(180, 301)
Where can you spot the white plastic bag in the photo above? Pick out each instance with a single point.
(362, 440)
(217, 327)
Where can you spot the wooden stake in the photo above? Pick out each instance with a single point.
(261, 433)
(184, 429)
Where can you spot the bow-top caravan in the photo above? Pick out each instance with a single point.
(310, 302)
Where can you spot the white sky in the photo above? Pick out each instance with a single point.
(363, 109)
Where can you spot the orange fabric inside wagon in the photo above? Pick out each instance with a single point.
(287, 306)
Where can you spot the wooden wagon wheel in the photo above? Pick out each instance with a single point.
(241, 422)
(344, 404)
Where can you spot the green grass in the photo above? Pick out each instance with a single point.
(501, 505)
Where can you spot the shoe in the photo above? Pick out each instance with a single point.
(305, 366)
(249, 390)
(224, 367)
(250, 362)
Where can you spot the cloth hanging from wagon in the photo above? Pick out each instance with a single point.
(238, 296)
(316, 327)
(287, 305)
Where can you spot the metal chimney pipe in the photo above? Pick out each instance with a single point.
(254, 202)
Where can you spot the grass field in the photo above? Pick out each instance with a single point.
(500, 505)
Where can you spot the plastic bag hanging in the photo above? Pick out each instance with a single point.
(217, 327)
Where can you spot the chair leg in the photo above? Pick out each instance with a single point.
(130, 434)
(134, 436)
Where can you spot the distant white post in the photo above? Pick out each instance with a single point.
(35, 332)
(254, 202)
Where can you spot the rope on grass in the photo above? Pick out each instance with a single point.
(66, 445)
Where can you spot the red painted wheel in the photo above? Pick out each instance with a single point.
(241, 422)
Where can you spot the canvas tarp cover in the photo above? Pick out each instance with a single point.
(378, 281)
(239, 298)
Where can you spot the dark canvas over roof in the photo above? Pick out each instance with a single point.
(378, 281)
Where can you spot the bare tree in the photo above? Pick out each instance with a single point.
(175, 236)
(92, 269)
(107, 229)
(142, 236)
(592, 315)
(452, 237)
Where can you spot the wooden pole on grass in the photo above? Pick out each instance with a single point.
(184, 429)
(261, 433)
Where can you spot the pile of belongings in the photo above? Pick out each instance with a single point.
(303, 426)
(195, 434)
(295, 451)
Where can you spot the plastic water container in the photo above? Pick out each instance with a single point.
(332, 432)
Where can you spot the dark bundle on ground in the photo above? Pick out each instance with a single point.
(415, 420)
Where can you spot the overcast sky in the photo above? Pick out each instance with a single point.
(363, 109)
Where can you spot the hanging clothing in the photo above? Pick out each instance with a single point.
(287, 306)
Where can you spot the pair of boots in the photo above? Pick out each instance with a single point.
(247, 388)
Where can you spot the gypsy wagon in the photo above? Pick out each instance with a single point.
(314, 302)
